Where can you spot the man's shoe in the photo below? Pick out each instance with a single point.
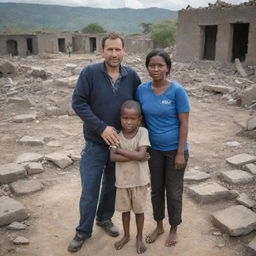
(109, 227)
(76, 243)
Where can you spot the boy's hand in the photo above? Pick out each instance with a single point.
(146, 157)
(110, 136)
(179, 161)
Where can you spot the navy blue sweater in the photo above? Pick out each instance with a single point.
(95, 102)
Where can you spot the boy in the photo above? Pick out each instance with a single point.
(132, 172)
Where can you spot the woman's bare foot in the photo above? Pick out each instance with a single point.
(151, 238)
(141, 248)
(120, 244)
(171, 239)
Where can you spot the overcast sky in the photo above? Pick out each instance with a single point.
(136, 4)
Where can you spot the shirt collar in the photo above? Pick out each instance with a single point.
(122, 70)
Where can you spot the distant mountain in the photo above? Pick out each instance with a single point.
(31, 17)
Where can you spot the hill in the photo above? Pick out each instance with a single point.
(32, 17)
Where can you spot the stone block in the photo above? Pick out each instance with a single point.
(16, 226)
(32, 140)
(69, 82)
(24, 118)
(250, 168)
(243, 199)
(237, 177)
(217, 88)
(11, 210)
(34, 168)
(192, 176)
(235, 220)
(53, 111)
(251, 123)
(20, 240)
(208, 192)
(25, 187)
(241, 159)
(60, 159)
(29, 157)
(252, 246)
(11, 172)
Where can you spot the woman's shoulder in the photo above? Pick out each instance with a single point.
(144, 85)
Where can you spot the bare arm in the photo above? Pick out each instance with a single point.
(122, 155)
(183, 135)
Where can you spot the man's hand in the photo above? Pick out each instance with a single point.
(110, 136)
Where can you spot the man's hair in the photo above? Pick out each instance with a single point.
(112, 36)
(131, 104)
(161, 53)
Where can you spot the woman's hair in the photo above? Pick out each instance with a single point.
(161, 53)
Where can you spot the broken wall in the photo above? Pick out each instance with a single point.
(18, 44)
(190, 40)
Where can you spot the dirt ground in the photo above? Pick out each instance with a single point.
(54, 211)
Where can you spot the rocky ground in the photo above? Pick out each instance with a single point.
(37, 119)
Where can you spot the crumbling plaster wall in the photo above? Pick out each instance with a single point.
(189, 39)
(48, 42)
(21, 44)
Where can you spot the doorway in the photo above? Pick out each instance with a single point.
(93, 45)
(210, 35)
(240, 41)
(29, 46)
(12, 47)
(61, 44)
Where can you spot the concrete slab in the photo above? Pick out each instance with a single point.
(252, 246)
(25, 187)
(34, 168)
(192, 176)
(235, 220)
(250, 168)
(243, 199)
(11, 210)
(241, 159)
(60, 159)
(29, 157)
(237, 177)
(11, 172)
(24, 118)
(208, 192)
(32, 140)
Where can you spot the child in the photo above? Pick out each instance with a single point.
(132, 172)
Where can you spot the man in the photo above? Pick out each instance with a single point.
(100, 91)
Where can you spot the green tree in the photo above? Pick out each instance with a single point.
(147, 27)
(93, 28)
(163, 33)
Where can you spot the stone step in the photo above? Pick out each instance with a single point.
(11, 172)
(241, 159)
(235, 220)
(208, 192)
(25, 187)
(11, 210)
(60, 159)
(237, 177)
(29, 157)
(192, 176)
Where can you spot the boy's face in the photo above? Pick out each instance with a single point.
(130, 119)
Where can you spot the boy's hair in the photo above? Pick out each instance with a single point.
(131, 104)
(161, 53)
(112, 36)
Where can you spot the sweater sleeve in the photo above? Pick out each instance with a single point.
(81, 103)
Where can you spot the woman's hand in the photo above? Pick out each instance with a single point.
(179, 160)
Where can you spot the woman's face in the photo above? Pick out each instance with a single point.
(157, 68)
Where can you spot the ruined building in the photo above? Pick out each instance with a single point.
(54, 42)
(220, 32)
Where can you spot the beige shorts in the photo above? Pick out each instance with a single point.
(128, 199)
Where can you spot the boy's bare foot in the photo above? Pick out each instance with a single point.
(151, 238)
(171, 239)
(141, 248)
(120, 244)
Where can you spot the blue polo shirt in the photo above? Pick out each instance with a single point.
(161, 114)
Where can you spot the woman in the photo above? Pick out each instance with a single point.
(165, 106)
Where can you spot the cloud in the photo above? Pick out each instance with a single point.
(136, 4)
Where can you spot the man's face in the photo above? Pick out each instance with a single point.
(113, 52)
